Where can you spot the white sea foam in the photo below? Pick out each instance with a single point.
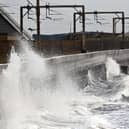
(27, 102)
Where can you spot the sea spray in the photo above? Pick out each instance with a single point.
(112, 67)
(123, 93)
(121, 86)
(14, 106)
(28, 103)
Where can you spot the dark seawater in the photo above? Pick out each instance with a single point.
(116, 106)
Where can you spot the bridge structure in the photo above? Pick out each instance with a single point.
(89, 60)
(76, 66)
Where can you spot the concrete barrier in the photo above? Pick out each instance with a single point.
(77, 65)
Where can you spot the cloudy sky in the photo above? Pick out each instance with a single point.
(62, 21)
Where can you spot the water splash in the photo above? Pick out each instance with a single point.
(112, 67)
(13, 105)
(28, 101)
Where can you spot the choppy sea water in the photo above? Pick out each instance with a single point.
(28, 101)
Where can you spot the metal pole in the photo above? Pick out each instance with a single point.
(123, 25)
(38, 18)
(83, 18)
(74, 23)
(114, 26)
(21, 19)
(83, 31)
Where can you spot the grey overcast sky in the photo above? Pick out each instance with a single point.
(63, 23)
